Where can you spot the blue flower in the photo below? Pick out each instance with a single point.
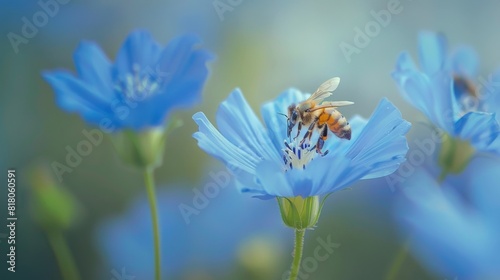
(454, 227)
(207, 241)
(139, 90)
(489, 100)
(443, 89)
(267, 167)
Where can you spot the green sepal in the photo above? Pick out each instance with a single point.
(143, 149)
(300, 213)
(454, 156)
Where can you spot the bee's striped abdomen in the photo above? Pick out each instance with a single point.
(336, 122)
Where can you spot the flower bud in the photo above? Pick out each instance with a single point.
(298, 212)
(53, 207)
(259, 256)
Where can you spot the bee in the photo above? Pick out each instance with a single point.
(323, 116)
(463, 85)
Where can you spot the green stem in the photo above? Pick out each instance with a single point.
(397, 263)
(63, 255)
(297, 253)
(150, 187)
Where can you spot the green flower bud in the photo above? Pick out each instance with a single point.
(260, 257)
(455, 155)
(300, 213)
(143, 149)
(53, 207)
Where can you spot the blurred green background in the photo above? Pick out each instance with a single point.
(263, 47)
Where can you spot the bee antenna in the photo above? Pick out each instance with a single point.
(284, 115)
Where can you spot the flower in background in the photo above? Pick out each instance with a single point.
(205, 245)
(134, 95)
(256, 154)
(443, 90)
(139, 90)
(454, 227)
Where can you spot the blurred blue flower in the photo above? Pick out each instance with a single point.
(442, 89)
(267, 167)
(454, 227)
(208, 241)
(140, 89)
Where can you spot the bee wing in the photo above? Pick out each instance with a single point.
(325, 89)
(331, 104)
(338, 103)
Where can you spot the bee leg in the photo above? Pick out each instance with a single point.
(319, 145)
(321, 140)
(299, 127)
(309, 132)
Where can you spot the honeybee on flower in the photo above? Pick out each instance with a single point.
(320, 114)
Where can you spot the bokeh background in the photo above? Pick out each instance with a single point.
(263, 47)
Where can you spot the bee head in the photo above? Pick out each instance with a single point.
(293, 115)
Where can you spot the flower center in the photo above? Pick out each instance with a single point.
(139, 84)
(296, 155)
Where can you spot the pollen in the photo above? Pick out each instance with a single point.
(139, 84)
(297, 156)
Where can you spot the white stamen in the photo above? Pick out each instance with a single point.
(298, 156)
(138, 84)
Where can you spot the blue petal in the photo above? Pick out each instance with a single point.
(414, 86)
(271, 177)
(322, 176)
(447, 236)
(174, 59)
(276, 123)
(490, 96)
(432, 49)
(495, 146)
(241, 163)
(185, 90)
(94, 68)
(481, 129)
(405, 64)
(328, 174)
(73, 95)
(381, 147)
(139, 49)
(486, 188)
(188, 87)
(239, 124)
(334, 171)
(465, 62)
(432, 96)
